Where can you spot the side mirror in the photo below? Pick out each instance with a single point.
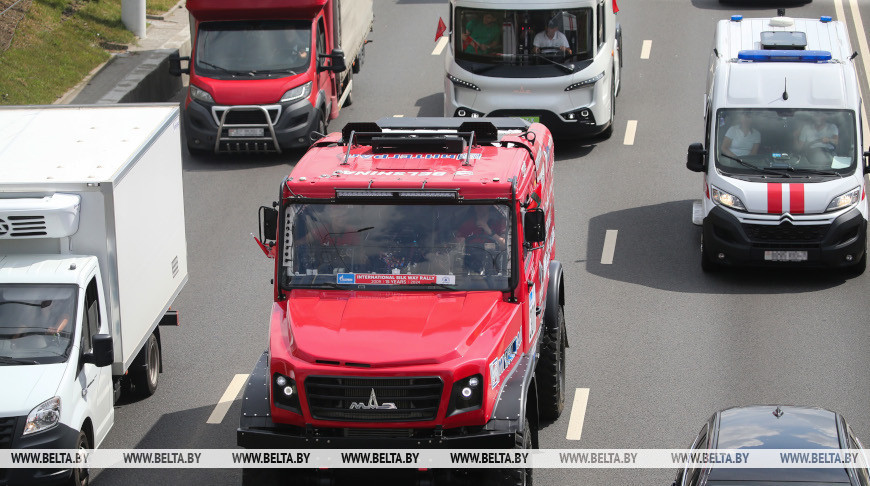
(102, 353)
(534, 226)
(867, 160)
(337, 64)
(695, 158)
(175, 64)
(268, 224)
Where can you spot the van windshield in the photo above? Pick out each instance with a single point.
(788, 142)
(398, 246)
(537, 40)
(36, 323)
(252, 49)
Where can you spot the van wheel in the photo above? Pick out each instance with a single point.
(551, 368)
(520, 476)
(145, 378)
(81, 476)
(319, 127)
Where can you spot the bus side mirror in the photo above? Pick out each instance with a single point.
(102, 353)
(534, 227)
(175, 64)
(695, 158)
(268, 224)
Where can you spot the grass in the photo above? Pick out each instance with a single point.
(58, 43)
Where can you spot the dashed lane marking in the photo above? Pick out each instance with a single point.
(578, 414)
(644, 51)
(630, 131)
(439, 46)
(609, 247)
(229, 396)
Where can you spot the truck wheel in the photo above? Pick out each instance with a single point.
(81, 476)
(551, 368)
(519, 476)
(145, 378)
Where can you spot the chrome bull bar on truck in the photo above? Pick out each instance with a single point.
(251, 128)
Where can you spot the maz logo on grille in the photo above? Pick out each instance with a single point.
(373, 404)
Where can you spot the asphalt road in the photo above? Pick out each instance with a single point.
(658, 344)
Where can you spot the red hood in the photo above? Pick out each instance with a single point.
(391, 328)
(249, 91)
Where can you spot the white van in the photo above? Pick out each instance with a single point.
(783, 168)
(554, 62)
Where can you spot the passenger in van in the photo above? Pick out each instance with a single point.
(741, 139)
(551, 38)
(482, 35)
(818, 139)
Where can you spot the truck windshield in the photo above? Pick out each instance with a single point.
(539, 41)
(788, 142)
(252, 49)
(36, 323)
(398, 246)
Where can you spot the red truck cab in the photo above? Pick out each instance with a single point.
(417, 299)
(266, 74)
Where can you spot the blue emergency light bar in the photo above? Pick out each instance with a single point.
(736, 18)
(825, 19)
(781, 55)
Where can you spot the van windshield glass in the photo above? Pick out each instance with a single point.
(398, 246)
(789, 142)
(253, 48)
(36, 323)
(523, 37)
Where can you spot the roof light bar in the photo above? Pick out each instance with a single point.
(393, 194)
(777, 55)
(736, 18)
(825, 19)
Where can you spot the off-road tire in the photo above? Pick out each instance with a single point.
(515, 476)
(145, 379)
(550, 370)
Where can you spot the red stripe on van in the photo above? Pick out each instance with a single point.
(774, 198)
(796, 195)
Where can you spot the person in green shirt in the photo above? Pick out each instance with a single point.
(482, 36)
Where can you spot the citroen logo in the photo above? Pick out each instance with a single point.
(373, 404)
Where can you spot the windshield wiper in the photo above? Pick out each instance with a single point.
(221, 68)
(813, 171)
(759, 169)
(6, 360)
(568, 69)
(273, 71)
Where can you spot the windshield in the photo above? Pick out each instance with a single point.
(253, 48)
(786, 143)
(398, 246)
(36, 323)
(538, 40)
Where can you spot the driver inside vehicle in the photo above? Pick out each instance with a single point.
(484, 234)
(551, 38)
(818, 139)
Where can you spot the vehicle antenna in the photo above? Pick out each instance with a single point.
(778, 412)
(780, 12)
(785, 90)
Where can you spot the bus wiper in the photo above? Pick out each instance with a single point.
(6, 360)
(568, 69)
(221, 68)
(759, 169)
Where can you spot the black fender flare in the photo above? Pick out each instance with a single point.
(555, 296)
(517, 398)
(256, 411)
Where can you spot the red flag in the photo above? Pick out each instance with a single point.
(442, 27)
(615, 8)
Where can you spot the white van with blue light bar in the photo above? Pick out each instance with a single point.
(553, 62)
(782, 160)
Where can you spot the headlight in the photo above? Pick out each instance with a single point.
(587, 82)
(467, 395)
(464, 84)
(200, 94)
(45, 416)
(297, 93)
(723, 198)
(845, 200)
(285, 393)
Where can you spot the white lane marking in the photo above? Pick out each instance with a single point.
(578, 414)
(439, 46)
(630, 130)
(865, 58)
(223, 405)
(644, 51)
(609, 247)
(398, 116)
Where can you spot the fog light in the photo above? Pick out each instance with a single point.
(570, 116)
(473, 382)
(288, 390)
(849, 258)
(466, 393)
(280, 381)
(475, 115)
(461, 112)
(585, 113)
(721, 256)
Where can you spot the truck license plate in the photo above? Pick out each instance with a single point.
(785, 256)
(246, 132)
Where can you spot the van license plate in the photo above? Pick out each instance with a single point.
(246, 132)
(532, 119)
(785, 256)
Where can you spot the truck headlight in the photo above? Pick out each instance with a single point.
(845, 200)
(200, 94)
(45, 416)
(466, 395)
(297, 93)
(284, 393)
(728, 200)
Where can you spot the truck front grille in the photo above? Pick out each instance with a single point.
(786, 233)
(7, 431)
(248, 116)
(354, 399)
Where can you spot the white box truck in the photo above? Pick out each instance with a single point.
(92, 254)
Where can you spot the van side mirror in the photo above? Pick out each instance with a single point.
(534, 226)
(337, 64)
(268, 224)
(867, 160)
(102, 353)
(175, 64)
(695, 158)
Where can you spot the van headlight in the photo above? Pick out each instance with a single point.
(297, 93)
(200, 94)
(728, 200)
(45, 416)
(845, 200)
(466, 395)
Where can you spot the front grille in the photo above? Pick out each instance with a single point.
(241, 116)
(415, 399)
(248, 147)
(379, 433)
(7, 431)
(786, 233)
